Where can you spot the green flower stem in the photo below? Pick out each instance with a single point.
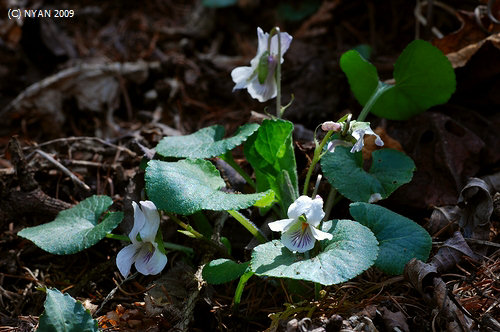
(239, 289)
(373, 98)
(167, 245)
(220, 248)
(228, 158)
(330, 202)
(278, 76)
(250, 226)
(316, 157)
(186, 227)
(118, 237)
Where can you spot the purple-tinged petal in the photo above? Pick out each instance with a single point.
(150, 260)
(286, 40)
(139, 221)
(263, 92)
(263, 38)
(148, 232)
(125, 258)
(298, 238)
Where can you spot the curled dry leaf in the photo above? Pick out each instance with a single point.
(469, 34)
(444, 220)
(461, 57)
(433, 289)
(477, 206)
(451, 253)
(420, 275)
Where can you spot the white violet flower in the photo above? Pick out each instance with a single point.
(145, 254)
(261, 82)
(298, 232)
(358, 130)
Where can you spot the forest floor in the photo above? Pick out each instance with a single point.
(96, 91)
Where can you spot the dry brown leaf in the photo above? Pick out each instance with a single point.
(452, 253)
(444, 220)
(393, 320)
(477, 206)
(461, 57)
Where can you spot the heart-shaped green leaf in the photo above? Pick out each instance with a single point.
(400, 239)
(187, 186)
(361, 74)
(223, 270)
(352, 250)
(344, 170)
(64, 314)
(75, 229)
(270, 152)
(205, 143)
(424, 78)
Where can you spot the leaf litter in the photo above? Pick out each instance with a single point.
(182, 85)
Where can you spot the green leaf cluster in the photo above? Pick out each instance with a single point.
(270, 152)
(75, 229)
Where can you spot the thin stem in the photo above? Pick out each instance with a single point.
(369, 104)
(178, 247)
(250, 226)
(278, 76)
(118, 237)
(167, 245)
(186, 226)
(220, 248)
(316, 157)
(330, 202)
(316, 186)
(239, 289)
(228, 158)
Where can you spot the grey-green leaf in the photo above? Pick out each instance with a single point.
(75, 229)
(205, 143)
(344, 170)
(400, 239)
(64, 314)
(352, 250)
(223, 270)
(187, 186)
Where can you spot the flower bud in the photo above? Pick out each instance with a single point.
(330, 125)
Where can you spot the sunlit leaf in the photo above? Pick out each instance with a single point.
(75, 229)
